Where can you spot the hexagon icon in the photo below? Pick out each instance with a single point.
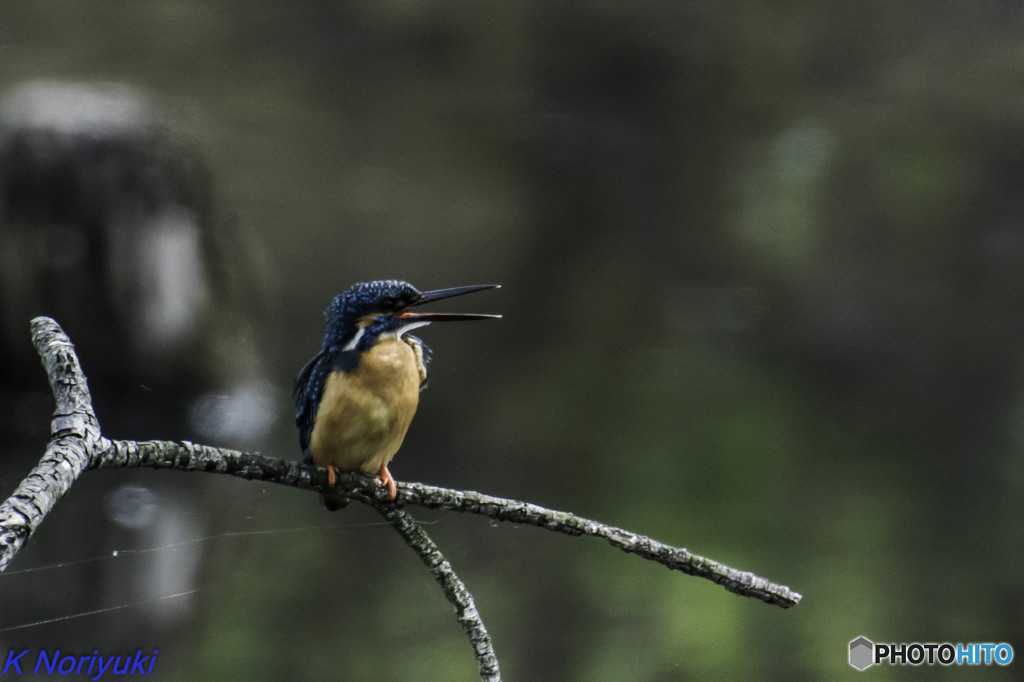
(862, 652)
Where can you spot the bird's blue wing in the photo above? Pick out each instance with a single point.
(308, 388)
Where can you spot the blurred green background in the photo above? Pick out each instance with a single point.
(763, 275)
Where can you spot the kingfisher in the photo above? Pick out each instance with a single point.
(357, 396)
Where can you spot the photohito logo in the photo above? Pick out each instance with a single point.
(864, 653)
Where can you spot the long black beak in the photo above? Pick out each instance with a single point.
(437, 295)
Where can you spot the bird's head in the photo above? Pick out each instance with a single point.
(365, 311)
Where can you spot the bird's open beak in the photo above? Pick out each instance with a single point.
(439, 294)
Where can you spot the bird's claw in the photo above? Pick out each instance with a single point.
(386, 479)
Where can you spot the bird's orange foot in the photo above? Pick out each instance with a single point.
(332, 475)
(387, 479)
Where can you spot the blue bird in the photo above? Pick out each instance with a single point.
(357, 396)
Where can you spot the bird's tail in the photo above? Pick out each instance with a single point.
(334, 502)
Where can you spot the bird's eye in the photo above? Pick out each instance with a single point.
(388, 301)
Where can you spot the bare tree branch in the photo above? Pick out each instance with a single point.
(454, 589)
(74, 434)
(743, 583)
(76, 444)
(191, 457)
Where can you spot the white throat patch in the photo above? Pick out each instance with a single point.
(397, 334)
(409, 327)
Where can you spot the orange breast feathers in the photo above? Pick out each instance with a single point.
(364, 414)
